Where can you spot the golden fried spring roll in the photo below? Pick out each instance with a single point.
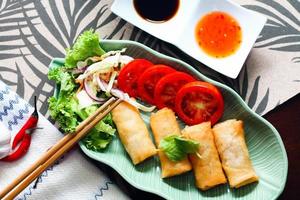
(163, 123)
(133, 132)
(231, 145)
(207, 169)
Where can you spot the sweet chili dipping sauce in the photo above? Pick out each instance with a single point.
(218, 34)
(156, 10)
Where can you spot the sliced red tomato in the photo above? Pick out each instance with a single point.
(129, 75)
(197, 102)
(167, 88)
(148, 80)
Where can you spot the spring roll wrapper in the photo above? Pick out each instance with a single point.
(163, 123)
(207, 169)
(231, 145)
(133, 132)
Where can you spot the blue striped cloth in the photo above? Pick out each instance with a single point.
(71, 177)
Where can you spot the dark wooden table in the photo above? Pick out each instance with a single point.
(285, 118)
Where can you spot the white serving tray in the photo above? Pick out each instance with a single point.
(180, 29)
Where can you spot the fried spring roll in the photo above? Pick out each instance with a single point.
(163, 123)
(133, 132)
(231, 145)
(207, 169)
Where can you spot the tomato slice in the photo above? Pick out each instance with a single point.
(148, 80)
(197, 102)
(167, 87)
(128, 76)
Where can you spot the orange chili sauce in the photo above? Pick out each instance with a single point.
(218, 34)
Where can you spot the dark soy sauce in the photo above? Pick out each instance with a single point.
(156, 10)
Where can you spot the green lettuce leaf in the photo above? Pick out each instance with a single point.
(96, 141)
(169, 146)
(64, 107)
(176, 148)
(65, 110)
(106, 128)
(101, 135)
(186, 145)
(106, 125)
(86, 45)
(54, 74)
(62, 110)
(63, 78)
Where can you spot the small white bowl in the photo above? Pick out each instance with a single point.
(180, 30)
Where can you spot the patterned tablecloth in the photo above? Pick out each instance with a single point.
(32, 32)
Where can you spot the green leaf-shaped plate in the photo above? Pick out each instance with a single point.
(266, 149)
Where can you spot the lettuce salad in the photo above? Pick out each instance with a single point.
(73, 104)
(87, 80)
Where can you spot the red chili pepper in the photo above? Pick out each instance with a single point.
(31, 123)
(21, 151)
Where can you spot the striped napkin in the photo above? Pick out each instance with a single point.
(71, 177)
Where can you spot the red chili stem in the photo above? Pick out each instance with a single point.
(35, 112)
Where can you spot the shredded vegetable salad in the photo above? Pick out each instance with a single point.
(88, 79)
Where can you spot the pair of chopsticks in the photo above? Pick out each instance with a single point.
(56, 151)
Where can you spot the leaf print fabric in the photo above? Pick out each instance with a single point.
(273, 66)
(32, 32)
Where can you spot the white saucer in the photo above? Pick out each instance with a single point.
(180, 29)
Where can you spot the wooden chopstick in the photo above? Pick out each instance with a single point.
(49, 157)
(52, 150)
